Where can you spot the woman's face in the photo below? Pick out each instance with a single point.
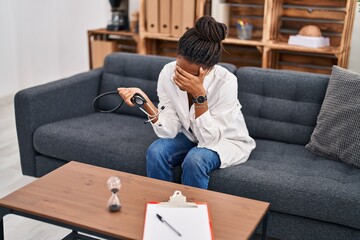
(191, 68)
(189, 76)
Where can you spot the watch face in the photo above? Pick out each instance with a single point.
(201, 99)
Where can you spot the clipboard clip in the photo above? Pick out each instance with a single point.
(177, 200)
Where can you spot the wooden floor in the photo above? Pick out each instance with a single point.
(11, 178)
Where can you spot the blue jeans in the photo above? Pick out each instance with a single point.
(165, 154)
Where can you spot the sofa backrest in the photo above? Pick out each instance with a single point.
(134, 70)
(130, 70)
(281, 105)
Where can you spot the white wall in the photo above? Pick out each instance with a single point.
(354, 59)
(8, 58)
(45, 40)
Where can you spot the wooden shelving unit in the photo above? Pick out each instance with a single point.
(102, 42)
(274, 21)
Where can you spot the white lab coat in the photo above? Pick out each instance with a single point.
(222, 128)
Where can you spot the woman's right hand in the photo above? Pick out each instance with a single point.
(128, 93)
(149, 107)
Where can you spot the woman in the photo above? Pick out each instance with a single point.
(201, 126)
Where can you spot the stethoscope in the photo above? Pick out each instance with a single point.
(103, 95)
(136, 99)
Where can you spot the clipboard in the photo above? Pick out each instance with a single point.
(187, 220)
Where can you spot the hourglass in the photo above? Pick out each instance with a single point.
(114, 185)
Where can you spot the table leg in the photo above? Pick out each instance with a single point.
(264, 227)
(71, 236)
(75, 235)
(3, 213)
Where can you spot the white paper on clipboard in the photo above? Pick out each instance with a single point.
(192, 221)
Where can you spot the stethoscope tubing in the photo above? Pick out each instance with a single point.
(103, 95)
(139, 97)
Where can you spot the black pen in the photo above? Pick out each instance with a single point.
(164, 221)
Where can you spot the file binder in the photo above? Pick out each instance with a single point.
(184, 220)
(176, 18)
(188, 15)
(152, 16)
(165, 19)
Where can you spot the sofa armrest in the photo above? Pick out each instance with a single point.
(63, 99)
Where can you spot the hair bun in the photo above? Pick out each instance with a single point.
(208, 29)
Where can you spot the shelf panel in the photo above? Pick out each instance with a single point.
(227, 40)
(243, 42)
(159, 36)
(241, 55)
(302, 61)
(318, 3)
(284, 46)
(117, 35)
(107, 32)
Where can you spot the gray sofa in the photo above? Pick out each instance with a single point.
(311, 197)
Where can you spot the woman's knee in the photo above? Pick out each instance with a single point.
(194, 159)
(155, 151)
(155, 148)
(201, 158)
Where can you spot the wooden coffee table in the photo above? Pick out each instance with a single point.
(75, 196)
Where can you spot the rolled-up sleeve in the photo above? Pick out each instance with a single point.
(165, 126)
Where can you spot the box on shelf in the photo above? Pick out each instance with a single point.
(305, 41)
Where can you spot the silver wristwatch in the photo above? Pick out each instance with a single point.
(199, 99)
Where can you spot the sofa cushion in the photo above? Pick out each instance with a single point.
(295, 181)
(337, 132)
(109, 140)
(281, 105)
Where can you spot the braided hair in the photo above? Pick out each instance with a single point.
(202, 44)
